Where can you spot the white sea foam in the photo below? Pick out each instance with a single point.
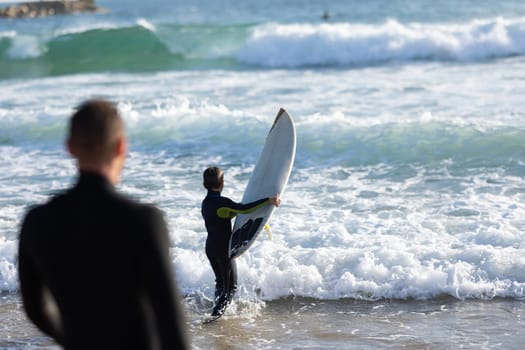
(406, 185)
(360, 234)
(7, 34)
(25, 47)
(82, 27)
(344, 44)
(146, 24)
(8, 273)
(386, 248)
(341, 232)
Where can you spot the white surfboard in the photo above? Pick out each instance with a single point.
(269, 177)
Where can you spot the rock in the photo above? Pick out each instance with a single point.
(48, 8)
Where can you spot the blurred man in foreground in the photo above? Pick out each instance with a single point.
(100, 256)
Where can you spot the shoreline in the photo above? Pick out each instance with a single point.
(329, 324)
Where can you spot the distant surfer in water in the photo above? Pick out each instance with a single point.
(217, 212)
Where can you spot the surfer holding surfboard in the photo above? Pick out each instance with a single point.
(217, 212)
(269, 176)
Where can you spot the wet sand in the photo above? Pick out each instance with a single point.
(298, 323)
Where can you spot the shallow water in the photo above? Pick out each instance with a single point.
(302, 323)
(347, 324)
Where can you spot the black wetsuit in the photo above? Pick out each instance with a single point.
(105, 260)
(217, 212)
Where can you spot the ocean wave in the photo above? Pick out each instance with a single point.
(146, 46)
(351, 141)
(411, 142)
(133, 48)
(346, 44)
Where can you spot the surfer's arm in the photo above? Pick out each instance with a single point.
(231, 209)
(157, 273)
(33, 289)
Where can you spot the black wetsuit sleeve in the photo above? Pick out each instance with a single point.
(230, 208)
(31, 285)
(161, 290)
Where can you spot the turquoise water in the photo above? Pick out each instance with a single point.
(409, 175)
(160, 35)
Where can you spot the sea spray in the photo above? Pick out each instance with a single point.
(350, 44)
(145, 46)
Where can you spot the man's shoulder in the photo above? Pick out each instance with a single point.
(136, 209)
(135, 203)
(115, 202)
(36, 216)
(145, 221)
(34, 211)
(42, 209)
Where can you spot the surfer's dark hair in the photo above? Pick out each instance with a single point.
(213, 178)
(94, 131)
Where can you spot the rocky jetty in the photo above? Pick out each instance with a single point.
(48, 8)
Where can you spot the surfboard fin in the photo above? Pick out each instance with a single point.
(267, 228)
